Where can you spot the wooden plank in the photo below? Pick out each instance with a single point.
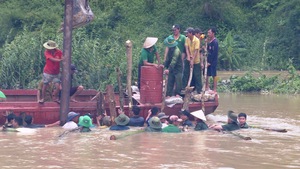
(111, 101)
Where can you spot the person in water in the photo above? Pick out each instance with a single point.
(232, 123)
(242, 118)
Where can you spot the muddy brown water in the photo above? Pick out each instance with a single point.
(208, 150)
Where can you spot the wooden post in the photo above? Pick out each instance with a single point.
(163, 103)
(129, 71)
(121, 95)
(111, 102)
(67, 52)
(205, 76)
(187, 92)
(100, 104)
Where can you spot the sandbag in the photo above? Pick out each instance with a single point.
(82, 14)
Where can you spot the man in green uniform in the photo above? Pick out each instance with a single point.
(173, 65)
(180, 39)
(173, 125)
(232, 123)
(242, 117)
(147, 55)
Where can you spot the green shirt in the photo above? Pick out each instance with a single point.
(174, 62)
(201, 126)
(147, 55)
(181, 42)
(244, 126)
(230, 127)
(171, 129)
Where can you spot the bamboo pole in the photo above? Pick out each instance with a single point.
(239, 135)
(129, 71)
(264, 128)
(205, 76)
(129, 133)
(187, 92)
(270, 129)
(121, 95)
(67, 52)
(164, 94)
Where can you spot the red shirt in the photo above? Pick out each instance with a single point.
(52, 67)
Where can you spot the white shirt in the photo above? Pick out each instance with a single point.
(70, 125)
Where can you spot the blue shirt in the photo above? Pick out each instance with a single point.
(136, 121)
(187, 123)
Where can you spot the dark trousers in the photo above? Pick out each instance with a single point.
(186, 73)
(174, 81)
(197, 76)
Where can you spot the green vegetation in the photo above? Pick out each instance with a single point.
(253, 35)
(289, 84)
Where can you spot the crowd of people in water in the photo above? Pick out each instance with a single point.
(156, 121)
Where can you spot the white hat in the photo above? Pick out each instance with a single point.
(199, 114)
(150, 41)
(50, 45)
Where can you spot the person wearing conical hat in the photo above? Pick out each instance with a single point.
(51, 69)
(200, 120)
(147, 55)
(2, 96)
(173, 67)
(232, 123)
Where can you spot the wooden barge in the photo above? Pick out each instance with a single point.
(22, 100)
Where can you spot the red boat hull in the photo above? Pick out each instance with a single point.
(25, 101)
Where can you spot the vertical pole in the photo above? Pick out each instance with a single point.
(129, 71)
(67, 52)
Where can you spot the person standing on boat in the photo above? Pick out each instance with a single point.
(136, 120)
(242, 117)
(192, 46)
(52, 67)
(212, 58)
(232, 123)
(147, 56)
(50, 91)
(180, 39)
(173, 65)
(74, 90)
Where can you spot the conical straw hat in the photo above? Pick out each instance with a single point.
(150, 41)
(2, 95)
(199, 114)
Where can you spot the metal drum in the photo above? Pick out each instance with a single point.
(151, 84)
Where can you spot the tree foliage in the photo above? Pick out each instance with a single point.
(261, 34)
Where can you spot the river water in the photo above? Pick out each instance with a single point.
(200, 150)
